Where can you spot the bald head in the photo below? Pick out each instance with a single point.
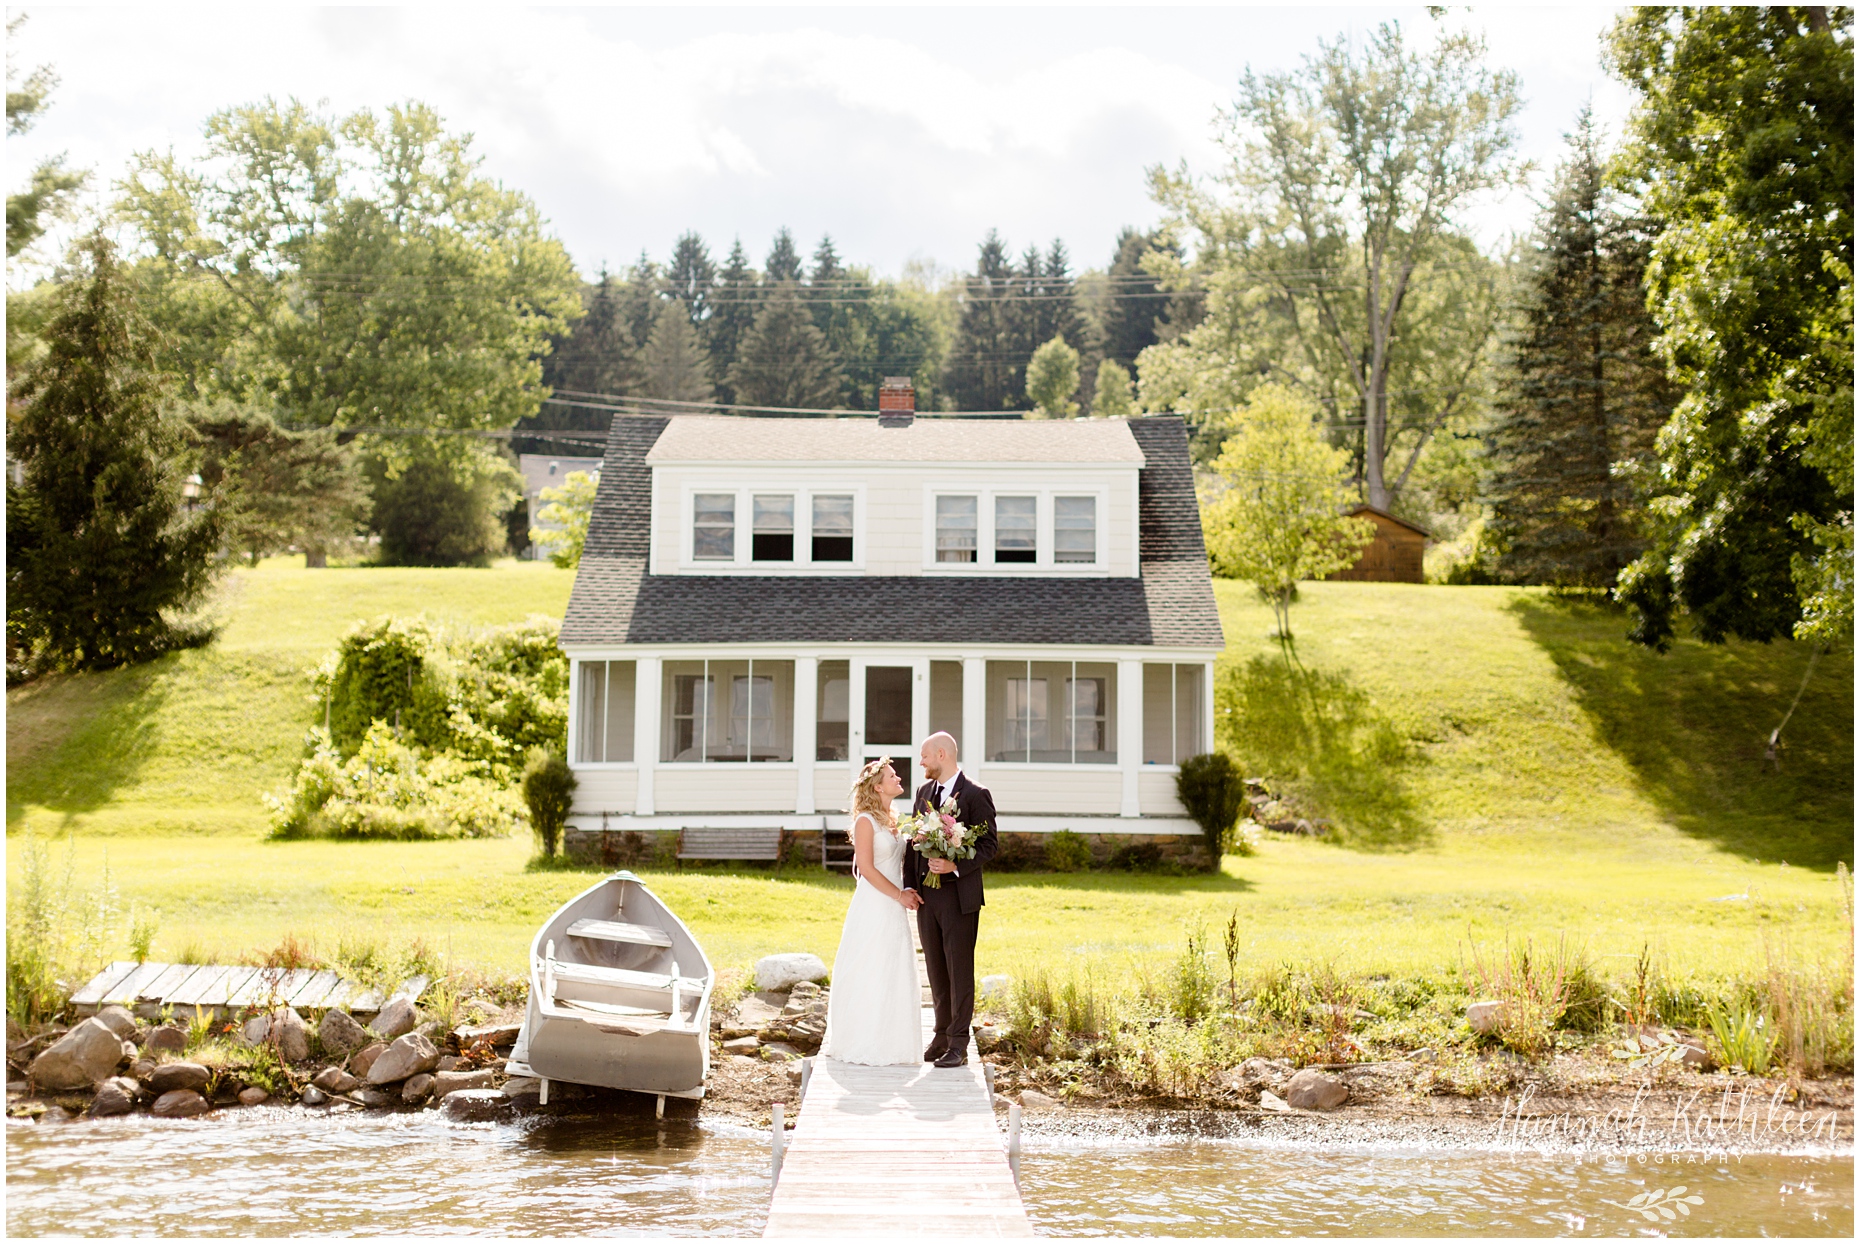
(939, 756)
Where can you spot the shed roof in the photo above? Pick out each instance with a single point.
(1365, 508)
(724, 438)
(615, 600)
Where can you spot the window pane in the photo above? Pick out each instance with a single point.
(1188, 713)
(1094, 713)
(833, 529)
(619, 743)
(1002, 718)
(946, 699)
(769, 696)
(1159, 714)
(835, 697)
(728, 738)
(1075, 529)
(955, 529)
(1047, 737)
(1016, 529)
(888, 706)
(772, 537)
(689, 711)
(713, 529)
(593, 704)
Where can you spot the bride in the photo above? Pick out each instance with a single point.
(874, 1006)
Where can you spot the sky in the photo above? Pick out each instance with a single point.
(904, 133)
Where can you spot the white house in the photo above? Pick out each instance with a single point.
(765, 604)
(542, 471)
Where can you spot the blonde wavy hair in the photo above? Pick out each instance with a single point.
(865, 796)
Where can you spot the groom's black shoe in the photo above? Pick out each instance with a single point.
(937, 1050)
(953, 1058)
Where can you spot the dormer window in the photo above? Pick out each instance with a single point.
(955, 529)
(833, 529)
(713, 527)
(772, 539)
(1017, 529)
(1075, 529)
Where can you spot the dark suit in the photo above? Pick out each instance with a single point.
(951, 914)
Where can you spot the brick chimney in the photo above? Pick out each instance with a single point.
(897, 402)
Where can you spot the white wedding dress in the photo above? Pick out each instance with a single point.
(874, 1006)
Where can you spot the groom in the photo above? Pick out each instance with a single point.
(951, 914)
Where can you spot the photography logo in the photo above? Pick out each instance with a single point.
(1669, 1204)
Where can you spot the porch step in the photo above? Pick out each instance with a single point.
(836, 850)
(729, 844)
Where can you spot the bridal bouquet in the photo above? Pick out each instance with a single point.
(938, 835)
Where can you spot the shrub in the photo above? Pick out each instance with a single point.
(1136, 857)
(442, 509)
(1067, 852)
(388, 790)
(549, 792)
(1019, 853)
(1212, 789)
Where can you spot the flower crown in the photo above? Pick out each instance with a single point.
(872, 770)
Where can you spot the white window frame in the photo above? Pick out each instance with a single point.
(1074, 765)
(744, 561)
(575, 707)
(1043, 562)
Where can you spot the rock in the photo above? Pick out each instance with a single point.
(1423, 1055)
(523, 1086)
(416, 1089)
(753, 1013)
(804, 991)
(142, 1069)
(782, 971)
(497, 1035)
(364, 1058)
(375, 1098)
(314, 1096)
(253, 1096)
(119, 1021)
(992, 985)
(780, 1052)
(1313, 1090)
(175, 1077)
(254, 1031)
(14, 1031)
(397, 1018)
(117, 1095)
(340, 1033)
(475, 1105)
(741, 1045)
(80, 1058)
(290, 1035)
(1484, 1017)
(166, 1039)
(743, 1060)
(408, 1056)
(987, 1037)
(1695, 1055)
(1033, 1099)
(446, 1083)
(1272, 1101)
(55, 1114)
(335, 1080)
(180, 1104)
(449, 1062)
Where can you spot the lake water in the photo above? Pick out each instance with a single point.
(280, 1172)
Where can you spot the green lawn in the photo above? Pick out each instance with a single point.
(1500, 764)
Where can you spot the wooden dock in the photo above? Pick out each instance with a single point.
(146, 988)
(894, 1151)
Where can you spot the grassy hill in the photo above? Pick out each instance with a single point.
(1499, 763)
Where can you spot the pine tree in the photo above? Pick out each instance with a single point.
(980, 374)
(674, 361)
(690, 276)
(597, 358)
(733, 313)
(784, 262)
(1135, 302)
(1583, 394)
(785, 360)
(839, 298)
(100, 540)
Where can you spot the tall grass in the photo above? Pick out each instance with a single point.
(56, 934)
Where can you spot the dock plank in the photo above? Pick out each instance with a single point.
(157, 990)
(93, 993)
(125, 992)
(193, 990)
(311, 994)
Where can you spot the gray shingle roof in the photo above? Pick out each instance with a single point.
(1172, 603)
(723, 438)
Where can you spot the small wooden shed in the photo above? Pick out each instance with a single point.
(1394, 556)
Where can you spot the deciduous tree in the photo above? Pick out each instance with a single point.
(1052, 379)
(275, 489)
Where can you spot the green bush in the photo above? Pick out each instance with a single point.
(389, 790)
(442, 509)
(1067, 852)
(549, 791)
(1213, 790)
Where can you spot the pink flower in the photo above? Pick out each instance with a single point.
(949, 822)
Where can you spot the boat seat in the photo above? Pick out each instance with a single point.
(620, 931)
(588, 974)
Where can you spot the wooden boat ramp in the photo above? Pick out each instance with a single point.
(148, 988)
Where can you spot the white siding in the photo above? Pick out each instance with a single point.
(605, 790)
(1157, 791)
(832, 785)
(1082, 789)
(725, 788)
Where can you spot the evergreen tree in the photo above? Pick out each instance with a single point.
(690, 277)
(784, 263)
(100, 540)
(785, 360)
(275, 489)
(733, 313)
(674, 362)
(980, 374)
(1583, 394)
(839, 298)
(598, 357)
(1136, 301)
(639, 299)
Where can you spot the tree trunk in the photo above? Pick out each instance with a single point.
(1375, 441)
(316, 559)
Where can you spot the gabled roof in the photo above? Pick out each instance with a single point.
(1365, 508)
(723, 438)
(615, 601)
